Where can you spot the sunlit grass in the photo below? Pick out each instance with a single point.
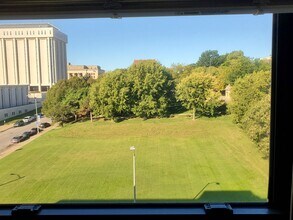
(209, 159)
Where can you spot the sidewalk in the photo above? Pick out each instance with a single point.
(13, 147)
(5, 127)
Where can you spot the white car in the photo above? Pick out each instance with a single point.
(28, 119)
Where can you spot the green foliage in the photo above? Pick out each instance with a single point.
(264, 65)
(256, 122)
(152, 89)
(53, 106)
(236, 66)
(247, 91)
(145, 90)
(76, 96)
(250, 107)
(210, 58)
(66, 98)
(110, 95)
(179, 71)
(198, 92)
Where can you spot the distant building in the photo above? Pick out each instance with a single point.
(32, 54)
(92, 71)
(227, 93)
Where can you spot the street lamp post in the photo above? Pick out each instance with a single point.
(37, 115)
(134, 177)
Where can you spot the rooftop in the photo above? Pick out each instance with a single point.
(44, 25)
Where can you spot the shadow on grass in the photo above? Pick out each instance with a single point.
(18, 177)
(206, 196)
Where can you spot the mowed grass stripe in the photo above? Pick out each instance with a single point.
(176, 159)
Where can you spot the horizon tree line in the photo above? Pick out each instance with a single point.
(147, 89)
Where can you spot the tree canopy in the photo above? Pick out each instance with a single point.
(198, 92)
(210, 58)
(110, 95)
(66, 98)
(151, 88)
(247, 91)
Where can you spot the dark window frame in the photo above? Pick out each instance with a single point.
(280, 178)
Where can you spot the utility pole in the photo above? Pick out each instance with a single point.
(134, 177)
(37, 117)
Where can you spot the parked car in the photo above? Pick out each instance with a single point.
(34, 131)
(45, 125)
(17, 139)
(28, 119)
(18, 123)
(41, 115)
(26, 135)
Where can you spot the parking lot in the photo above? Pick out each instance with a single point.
(10, 132)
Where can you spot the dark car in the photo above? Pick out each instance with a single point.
(19, 123)
(45, 125)
(17, 139)
(34, 131)
(26, 135)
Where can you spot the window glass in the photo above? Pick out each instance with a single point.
(173, 109)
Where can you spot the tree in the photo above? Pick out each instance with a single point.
(76, 96)
(248, 91)
(210, 58)
(53, 105)
(66, 99)
(110, 96)
(236, 66)
(256, 123)
(264, 65)
(152, 89)
(198, 92)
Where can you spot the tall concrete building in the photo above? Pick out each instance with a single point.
(32, 59)
(32, 54)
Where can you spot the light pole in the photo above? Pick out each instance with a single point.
(37, 118)
(134, 177)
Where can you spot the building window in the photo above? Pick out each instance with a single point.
(44, 88)
(6, 115)
(19, 112)
(34, 88)
(25, 110)
(12, 113)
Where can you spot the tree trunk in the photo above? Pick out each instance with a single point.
(193, 113)
(75, 117)
(91, 115)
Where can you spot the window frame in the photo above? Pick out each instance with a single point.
(280, 176)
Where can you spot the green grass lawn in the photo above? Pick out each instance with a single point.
(178, 160)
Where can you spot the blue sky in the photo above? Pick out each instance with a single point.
(115, 43)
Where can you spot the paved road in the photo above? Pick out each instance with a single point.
(6, 136)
